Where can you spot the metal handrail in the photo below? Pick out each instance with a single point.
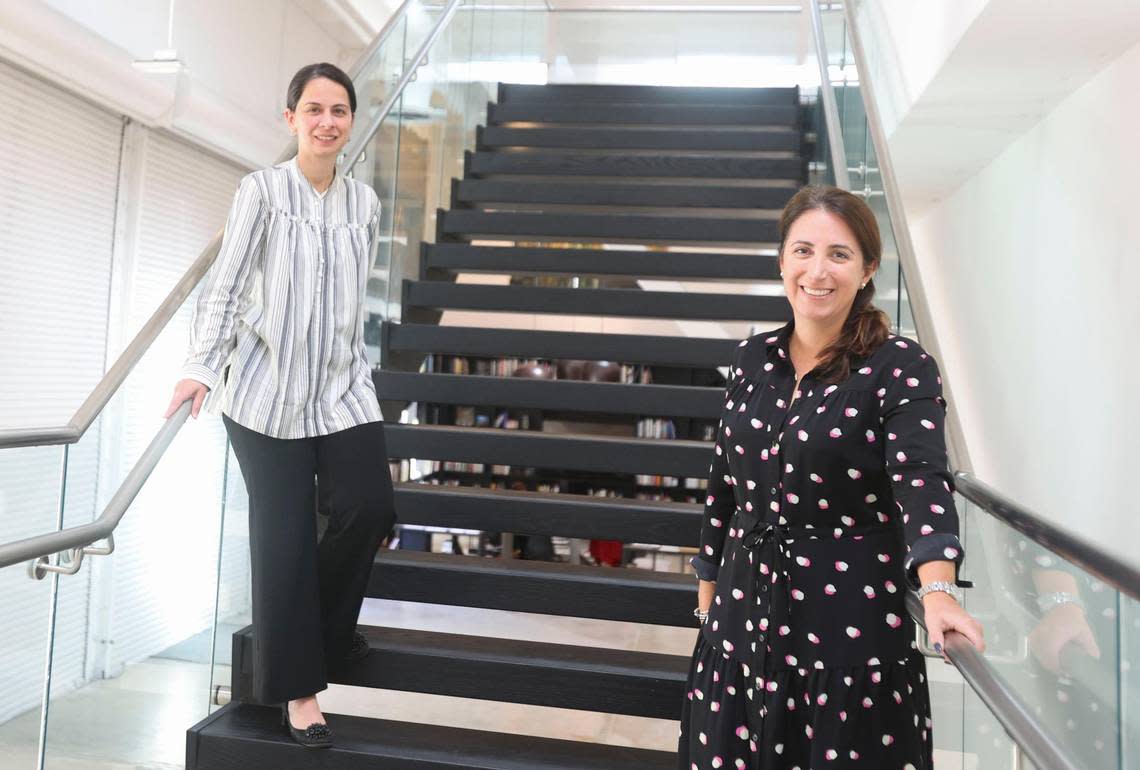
(355, 148)
(1115, 572)
(1003, 702)
(1018, 720)
(1122, 576)
(114, 378)
(920, 308)
(830, 108)
(78, 541)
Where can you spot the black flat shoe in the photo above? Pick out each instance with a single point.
(359, 648)
(315, 736)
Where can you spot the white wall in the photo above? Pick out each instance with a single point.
(1031, 267)
(238, 60)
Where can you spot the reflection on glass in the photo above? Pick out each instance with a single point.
(1056, 635)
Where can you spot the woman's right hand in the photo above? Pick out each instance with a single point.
(184, 391)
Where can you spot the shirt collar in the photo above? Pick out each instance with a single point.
(776, 342)
(334, 187)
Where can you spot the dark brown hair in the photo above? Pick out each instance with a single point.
(866, 327)
(312, 72)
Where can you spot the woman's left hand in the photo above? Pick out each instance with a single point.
(944, 614)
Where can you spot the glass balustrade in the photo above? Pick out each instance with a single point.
(124, 655)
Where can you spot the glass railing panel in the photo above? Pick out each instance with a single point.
(379, 76)
(1061, 639)
(234, 609)
(134, 630)
(31, 479)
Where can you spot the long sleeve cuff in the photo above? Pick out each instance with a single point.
(202, 374)
(705, 569)
(939, 546)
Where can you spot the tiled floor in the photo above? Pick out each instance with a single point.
(138, 721)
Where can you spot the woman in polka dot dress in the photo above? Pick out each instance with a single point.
(829, 498)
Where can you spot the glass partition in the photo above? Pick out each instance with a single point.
(1063, 640)
(31, 482)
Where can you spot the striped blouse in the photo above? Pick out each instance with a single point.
(283, 307)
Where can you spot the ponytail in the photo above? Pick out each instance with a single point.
(865, 329)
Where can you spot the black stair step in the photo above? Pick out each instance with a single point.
(593, 193)
(678, 165)
(561, 93)
(543, 513)
(578, 137)
(529, 343)
(488, 668)
(247, 737)
(546, 588)
(464, 257)
(607, 397)
(644, 114)
(604, 454)
(471, 224)
(611, 302)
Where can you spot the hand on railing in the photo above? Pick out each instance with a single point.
(183, 392)
(942, 613)
(1063, 624)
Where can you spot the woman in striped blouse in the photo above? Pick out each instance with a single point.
(278, 328)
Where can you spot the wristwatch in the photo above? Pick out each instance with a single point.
(1056, 599)
(943, 587)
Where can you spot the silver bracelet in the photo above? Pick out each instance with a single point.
(941, 586)
(702, 617)
(1056, 599)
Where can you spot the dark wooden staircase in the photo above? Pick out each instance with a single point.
(677, 167)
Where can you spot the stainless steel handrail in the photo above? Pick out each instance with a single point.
(919, 306)
(114, 378)
(1027, 733)
(1112, 571)
(355, 148)
(830, 108)
(78, 541)
(1001, 699)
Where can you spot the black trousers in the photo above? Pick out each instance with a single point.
(307, 595)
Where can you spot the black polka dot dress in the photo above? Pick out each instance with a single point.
(821, 506)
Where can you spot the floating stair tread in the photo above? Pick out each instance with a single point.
(579, 137)
(470, 224)
(561, 93)
(465, 257)
(619, 398)
(596, 193)
(241, 736)
(546, 513)
(550, 345)
(546, 588)
(644, 114)
(671, 457)
(501, 669)
(674, 165)
(602, 302)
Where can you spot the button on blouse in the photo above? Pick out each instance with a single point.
(821, 507)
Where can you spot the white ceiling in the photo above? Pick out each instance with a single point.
(1017, 61)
